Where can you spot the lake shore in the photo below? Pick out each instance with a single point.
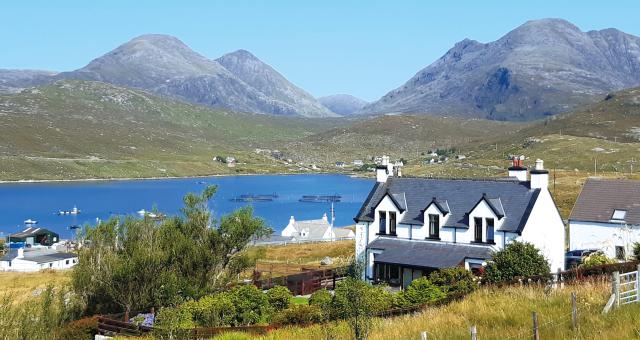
(76, 180)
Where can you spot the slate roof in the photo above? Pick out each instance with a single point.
(425, 254)
(600, 197)
(32, 231)
(314, 229)
(39, 256)
(512, 198)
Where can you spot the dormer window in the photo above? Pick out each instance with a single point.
(434, 226)
(392, 223)
(619, 215)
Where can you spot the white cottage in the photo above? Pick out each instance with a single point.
(35, 259)
(409, 227)
(606, 216)
(315, 230)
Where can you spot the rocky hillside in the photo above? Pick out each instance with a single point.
(13, 81)
(540, 68)
(342, 104)
(165, 65)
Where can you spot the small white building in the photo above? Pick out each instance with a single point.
(409, 227)
(358, 162)
(606, 216)
(315, 230)
(35, 259)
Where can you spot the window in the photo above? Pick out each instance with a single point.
(50, 265)
(383, 222)
(619, 215)
(66, 262)
(392, 223)
(477, 228)
(434, 226)
(620, 255)
(490, 230)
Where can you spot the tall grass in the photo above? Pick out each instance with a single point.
(498, 313)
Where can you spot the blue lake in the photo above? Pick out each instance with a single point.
(104, 199)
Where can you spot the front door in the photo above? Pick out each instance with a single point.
(407, 277)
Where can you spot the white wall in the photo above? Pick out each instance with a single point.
(483, 211)
(545, 230)
(603, 236)
(22, 265)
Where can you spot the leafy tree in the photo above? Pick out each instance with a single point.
(279, 298)
(420, 292)
(596, 259)
(456, 280)
(140, 263)
(636, 251)
(353, 302)
(518, 259)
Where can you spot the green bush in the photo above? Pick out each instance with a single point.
(321, 298)
(353, 301)
(173, 323)
(517, 259)
(299, 315)
(85, 328)
(212, 310)
(419, 292)
(455, 281)
(252, 305)
(636, 251)
(279, 298)
(596, 259)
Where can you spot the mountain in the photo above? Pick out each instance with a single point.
(342, 104)
(12, 81)
(287, 98)
(88, 129)
(615, 117)
(540, 68)
(165, 65)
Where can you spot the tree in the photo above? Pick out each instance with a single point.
(353, 303)
(518, 259)
(140, 263)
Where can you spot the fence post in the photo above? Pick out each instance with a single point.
(616, 287)
(638, 283)
(560, 280)
(474, 332)
(536, 335)
(574, 312)
(424, 335)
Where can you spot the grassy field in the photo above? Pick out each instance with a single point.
(23, 287)
(498, 313)
(289, 259)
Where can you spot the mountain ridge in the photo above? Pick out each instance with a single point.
(540, 68)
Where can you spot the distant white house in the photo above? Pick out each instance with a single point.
(606, 216)
(315, 230)
(35, 259)
(358, 162)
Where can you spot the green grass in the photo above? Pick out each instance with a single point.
(300, 300)
(498, 313)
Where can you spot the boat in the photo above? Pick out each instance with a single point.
(30, 221)
(141, 212)
(74, 211)
(74, 227)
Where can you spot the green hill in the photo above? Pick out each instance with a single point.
(82, 129)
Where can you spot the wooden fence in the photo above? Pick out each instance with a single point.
(306, 282)
(110, 326)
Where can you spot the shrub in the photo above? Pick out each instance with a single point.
(279, 298)
(85, 328)
(212, 310)
(300, 315)
(455, 281)
(419, 292)
(517, 259)
(596, 259)
(353, 302)
(173, 323)
(321, 298)
(636, 251)
(252, 306)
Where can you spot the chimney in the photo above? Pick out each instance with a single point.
(517, 169)
(539, 176)
(20, 253)
(325, 218)
(384, 170)
(292, 220)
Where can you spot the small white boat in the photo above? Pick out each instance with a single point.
(30, 221)
(142, 212)
(74, 211)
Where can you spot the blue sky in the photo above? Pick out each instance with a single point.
(364, 48)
